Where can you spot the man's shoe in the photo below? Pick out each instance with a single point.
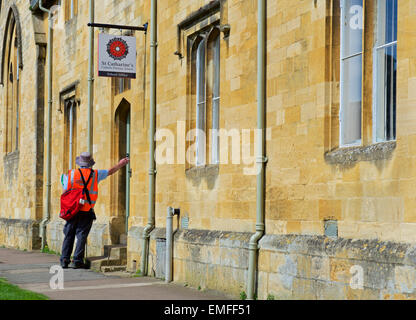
(64, 264)
(79, 265)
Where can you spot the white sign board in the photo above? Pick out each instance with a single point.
(116, 56)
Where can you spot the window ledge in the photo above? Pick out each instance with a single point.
(11, 166)
(11, 156)
(202, 171)
(207, 173)
(351, 155)
(70, 23)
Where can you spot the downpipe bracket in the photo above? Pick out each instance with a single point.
(262, 159)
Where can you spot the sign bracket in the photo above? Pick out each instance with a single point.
(115, 26)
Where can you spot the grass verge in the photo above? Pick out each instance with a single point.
(11, 292)
(48, 251)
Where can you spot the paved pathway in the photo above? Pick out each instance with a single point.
(31, 270)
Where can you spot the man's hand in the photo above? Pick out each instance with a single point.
(121, 164)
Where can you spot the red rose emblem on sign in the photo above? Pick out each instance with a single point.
(117, 48)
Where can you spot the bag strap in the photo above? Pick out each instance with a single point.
(86, 184)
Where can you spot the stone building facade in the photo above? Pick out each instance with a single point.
(340, 219)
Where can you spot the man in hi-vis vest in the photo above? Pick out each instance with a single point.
(81, 224)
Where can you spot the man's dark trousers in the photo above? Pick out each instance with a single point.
(78, 226)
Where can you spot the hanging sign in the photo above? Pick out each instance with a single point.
(116, 56)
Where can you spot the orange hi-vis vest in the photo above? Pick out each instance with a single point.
(75, 181)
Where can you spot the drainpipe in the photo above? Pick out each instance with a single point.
(261, 158)
(152, 128)
(90, 77)
(46, 206)
(169, 242)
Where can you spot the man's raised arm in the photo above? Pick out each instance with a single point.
(118, 166)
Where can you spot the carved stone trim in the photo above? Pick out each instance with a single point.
(12, 10)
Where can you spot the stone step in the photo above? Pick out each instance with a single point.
(94, 263)
(113, 268)
(98, 264)
(114, 255)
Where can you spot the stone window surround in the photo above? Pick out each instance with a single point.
(68, 95)
(12, 10)
(71, 8)
(68, 92)
(206, 15)
(368, 150)
(12, 25)
(205, 20)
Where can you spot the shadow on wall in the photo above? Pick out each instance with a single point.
(198, 174)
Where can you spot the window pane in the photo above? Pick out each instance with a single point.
(72, 8)
(200, 72)
(351, 70)
(386, 93)
(351, 100)
(200, 101)
(200, 135)
(215, 128)
(216, 102)
(216, 86)
(352, 27)
(386, 22)
(386, 71)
